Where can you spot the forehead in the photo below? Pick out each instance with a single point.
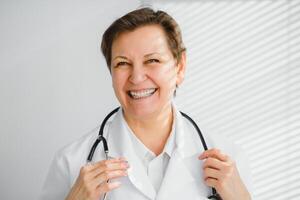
(143, 40)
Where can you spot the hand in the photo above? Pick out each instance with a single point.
(92, 181)
(221, 173)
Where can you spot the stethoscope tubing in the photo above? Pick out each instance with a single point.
(102, 139)
(214, 195)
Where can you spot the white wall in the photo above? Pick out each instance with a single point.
(53, 81)
(243, 81)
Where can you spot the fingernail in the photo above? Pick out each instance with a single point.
(125, 165)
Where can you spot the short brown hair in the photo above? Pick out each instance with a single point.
(139, 18)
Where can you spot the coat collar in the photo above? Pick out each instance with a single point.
(120, 145)
(183, 169)
(184, 139)
(184, 175)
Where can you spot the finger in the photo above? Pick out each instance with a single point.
(213, 163)
(108, 175)
(211, 173)
(110, 161)
(105, 163)
(211, 182)
(215, 153)
(110, 167)
(107, 187)
(90, 171)
(85, 172)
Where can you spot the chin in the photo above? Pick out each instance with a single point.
(142, 112)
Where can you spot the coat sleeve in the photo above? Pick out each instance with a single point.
(56, 186)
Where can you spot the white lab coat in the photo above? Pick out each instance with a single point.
(183, 177)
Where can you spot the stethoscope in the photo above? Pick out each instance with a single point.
(100, 138)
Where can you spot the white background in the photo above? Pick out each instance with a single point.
(243, 81)
(54, 83)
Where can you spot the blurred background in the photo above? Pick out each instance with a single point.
(243, 81)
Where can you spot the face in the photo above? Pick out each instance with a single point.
(144, 72)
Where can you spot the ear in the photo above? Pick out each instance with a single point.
(180, 69)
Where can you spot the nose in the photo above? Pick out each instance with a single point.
(138, 74)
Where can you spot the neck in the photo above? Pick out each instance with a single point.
(154, 131)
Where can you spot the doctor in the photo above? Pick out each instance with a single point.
(156, 153)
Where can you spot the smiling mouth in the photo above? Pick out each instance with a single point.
(141, 93)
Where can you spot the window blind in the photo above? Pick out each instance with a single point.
(243, 81)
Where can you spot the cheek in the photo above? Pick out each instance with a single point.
(167, 75)
(117, 82)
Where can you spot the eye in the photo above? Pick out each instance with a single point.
(152, 61)
(122, 63)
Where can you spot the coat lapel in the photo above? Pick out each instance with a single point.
(183, 178)
(120, 145)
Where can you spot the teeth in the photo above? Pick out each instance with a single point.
(143, 93)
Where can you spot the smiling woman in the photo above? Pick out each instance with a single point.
(145, 82)
(157, 153)
(145, 73)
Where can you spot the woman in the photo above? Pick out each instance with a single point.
(156, 153)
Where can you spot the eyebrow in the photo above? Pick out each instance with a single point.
(147, 55)
(123, 57)
(151, 54)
